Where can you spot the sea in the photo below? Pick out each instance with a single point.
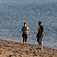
(13, 14)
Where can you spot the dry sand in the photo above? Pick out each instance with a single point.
(14, 49)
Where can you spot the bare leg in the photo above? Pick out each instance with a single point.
(41, 44)
(23, 43)
(38, 45)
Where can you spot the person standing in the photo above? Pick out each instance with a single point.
(25, 30)
(40, 35)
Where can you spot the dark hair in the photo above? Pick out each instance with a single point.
(25, 23)
(40, 22)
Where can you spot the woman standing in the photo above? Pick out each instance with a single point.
(25, 30)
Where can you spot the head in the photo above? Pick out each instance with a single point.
(39, 23)
(25, 24)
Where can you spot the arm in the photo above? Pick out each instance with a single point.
(22, 29)
(42, 30)
(27, 30)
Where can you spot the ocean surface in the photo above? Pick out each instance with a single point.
(13, 14)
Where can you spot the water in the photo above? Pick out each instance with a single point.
(13, 14)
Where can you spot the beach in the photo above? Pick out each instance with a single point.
(13, 14)
(15, 49)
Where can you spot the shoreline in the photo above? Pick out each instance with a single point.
(27, 43)
(15, 49)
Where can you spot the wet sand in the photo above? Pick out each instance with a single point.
(14, 49)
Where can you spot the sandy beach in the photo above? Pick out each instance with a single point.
(14, 49)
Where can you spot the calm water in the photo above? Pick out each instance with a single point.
(13, 14)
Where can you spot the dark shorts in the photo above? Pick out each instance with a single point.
(39, 39)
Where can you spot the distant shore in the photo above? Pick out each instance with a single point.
(15, 49)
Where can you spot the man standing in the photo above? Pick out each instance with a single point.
(40, 35)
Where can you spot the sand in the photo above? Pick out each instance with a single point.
(14, 49)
